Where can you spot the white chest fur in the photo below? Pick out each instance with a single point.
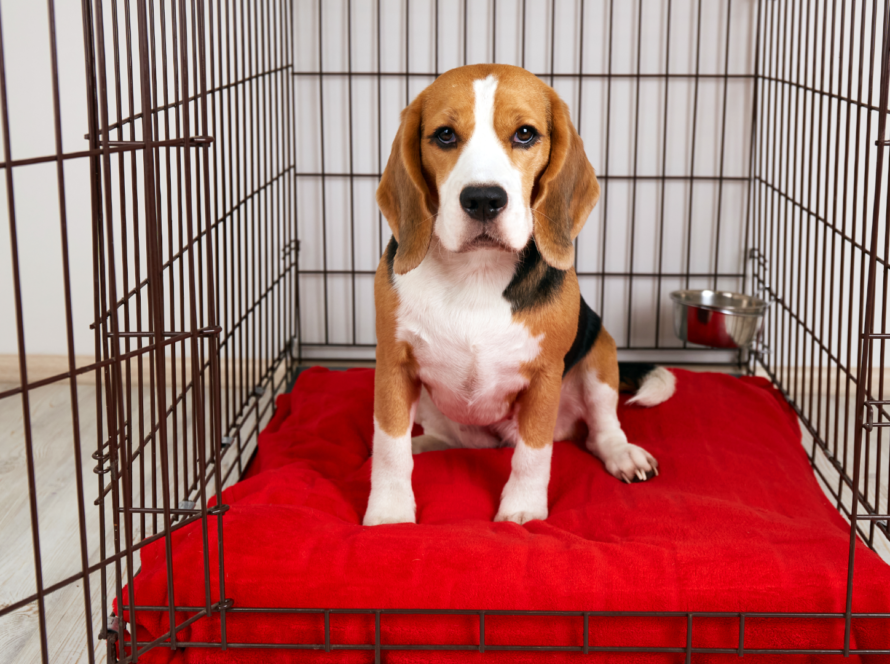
(469, 350)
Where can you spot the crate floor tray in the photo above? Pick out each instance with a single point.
(734, 523)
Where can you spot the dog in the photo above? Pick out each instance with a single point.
(482, 334)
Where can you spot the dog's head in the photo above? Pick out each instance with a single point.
(486, 157)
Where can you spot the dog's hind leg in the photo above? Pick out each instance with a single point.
(606, 440)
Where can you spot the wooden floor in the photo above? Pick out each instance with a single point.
(60, 546)
(59, 518)
(59, 532)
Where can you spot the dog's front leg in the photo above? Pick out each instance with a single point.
(525, 495)
(396, 390)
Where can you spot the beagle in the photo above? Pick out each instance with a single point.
(483, 336)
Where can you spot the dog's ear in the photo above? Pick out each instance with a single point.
(566, 191)
(403, 195)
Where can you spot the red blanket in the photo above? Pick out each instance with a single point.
(734, 522)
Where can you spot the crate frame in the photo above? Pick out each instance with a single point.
(224, 399)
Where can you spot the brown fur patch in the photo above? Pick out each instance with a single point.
(404, 196)
(396, 386)
(558, 322)
(567, 191)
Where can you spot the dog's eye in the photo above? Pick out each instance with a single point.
(525, 136)
(446, 136)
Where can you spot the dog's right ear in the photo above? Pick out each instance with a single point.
(567, 190)
(403, 195)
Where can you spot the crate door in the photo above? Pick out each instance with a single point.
(156, 330)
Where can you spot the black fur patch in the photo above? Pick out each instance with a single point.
(631, 374)
(589, 326)
(534, 283)
(391, 250)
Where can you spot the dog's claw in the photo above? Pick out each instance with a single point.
(642, 476)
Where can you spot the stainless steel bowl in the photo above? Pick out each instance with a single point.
(717, 318)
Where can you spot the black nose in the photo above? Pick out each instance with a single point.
(483, 203)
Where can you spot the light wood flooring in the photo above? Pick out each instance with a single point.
(59, 517)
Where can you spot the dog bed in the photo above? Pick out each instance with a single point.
(735, 522)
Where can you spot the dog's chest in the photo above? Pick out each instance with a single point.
(470, 352)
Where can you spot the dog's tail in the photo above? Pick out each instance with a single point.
(652, 384)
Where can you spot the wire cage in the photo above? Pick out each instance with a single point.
(224, 157)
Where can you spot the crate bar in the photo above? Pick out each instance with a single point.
(722, 144)
(379, 75)
(868, 326)
(324, 216)
(586, 646)
(633, 194)
(741, 635)
(802, 348)
(663, 178)
(755, 98)
(69, 333)
(457, 648)
(836, 213)
(352, 157)
(580, 90)
(866, 182)
(482, 631)
(602, 303)
(855, 218)
(555, 75)
(213, 350)
(598, 177)
(156, 297)
(377, 644)
(688, 638)
(692, 149)
(327, 631)
(114, 384)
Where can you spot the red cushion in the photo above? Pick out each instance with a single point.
(735, 522)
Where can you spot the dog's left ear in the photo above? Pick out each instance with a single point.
(566, 191)
(403, 195)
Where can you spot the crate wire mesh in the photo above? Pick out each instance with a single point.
(666, 122)
(190, 149)
(739, 145)
(819, 236)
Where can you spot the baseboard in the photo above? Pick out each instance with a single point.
(825, 380)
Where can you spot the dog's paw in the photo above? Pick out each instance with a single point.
(631, 463)
(521, 506)
(390, 505)
(522, 516)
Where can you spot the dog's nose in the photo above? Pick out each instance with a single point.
(483, 203)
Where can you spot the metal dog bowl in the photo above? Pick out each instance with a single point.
(717, 318)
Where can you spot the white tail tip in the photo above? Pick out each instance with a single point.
(658, 386)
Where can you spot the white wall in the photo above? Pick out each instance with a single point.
(26, 49)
